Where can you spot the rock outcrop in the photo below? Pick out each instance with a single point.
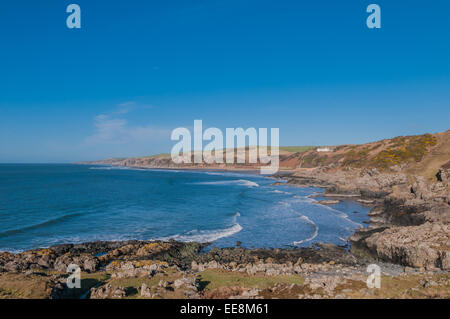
(424, 246)
(410, 218)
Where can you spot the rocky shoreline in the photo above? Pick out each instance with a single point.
(142, 269)
(408, 237)
(410, 218)
(406, 181)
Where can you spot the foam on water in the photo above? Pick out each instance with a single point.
(280, 192)
(241, 182)
(314, 235)
(205, 236)
(338, 212)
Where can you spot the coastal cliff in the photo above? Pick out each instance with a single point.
(405, 180)
(411, 214)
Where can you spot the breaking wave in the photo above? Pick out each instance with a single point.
(280, 192)
(314, 235)
(241, 182)
(205, 236)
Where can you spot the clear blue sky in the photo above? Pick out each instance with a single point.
(138, 69)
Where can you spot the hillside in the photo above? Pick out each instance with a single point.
(417, 155)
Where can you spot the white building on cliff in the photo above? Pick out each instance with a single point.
(324, 149)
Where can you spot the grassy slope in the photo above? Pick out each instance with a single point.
(212, 283)
(420, 154)
(436, 158)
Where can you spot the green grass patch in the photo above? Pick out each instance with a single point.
(136, 282)
(212, 279)
(296, 149)
(88, 280)
(5, 293)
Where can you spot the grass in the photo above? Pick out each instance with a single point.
(356, 158)
(132, 285)
(19, 286)
(391, 287)
(399, 287)
(411, 286)
(405, 149)
(208, 281)
(88, 280)
(296, 149)
(158, 155)
(35, 286)
(314, 159)
(213, 279)
(5, 293)
(399, 150)
(290, 149)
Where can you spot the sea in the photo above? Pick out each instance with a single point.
(48, 204)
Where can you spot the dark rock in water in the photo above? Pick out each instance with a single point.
(366, 202)
(304, 181)
(238, 243)
(328, 202)
(367, 193)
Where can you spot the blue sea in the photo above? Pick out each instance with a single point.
(44, 204)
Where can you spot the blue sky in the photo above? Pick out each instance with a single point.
(138, 69)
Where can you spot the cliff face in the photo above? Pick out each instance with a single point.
(410, 218)
(408, 181)
(412, 168)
